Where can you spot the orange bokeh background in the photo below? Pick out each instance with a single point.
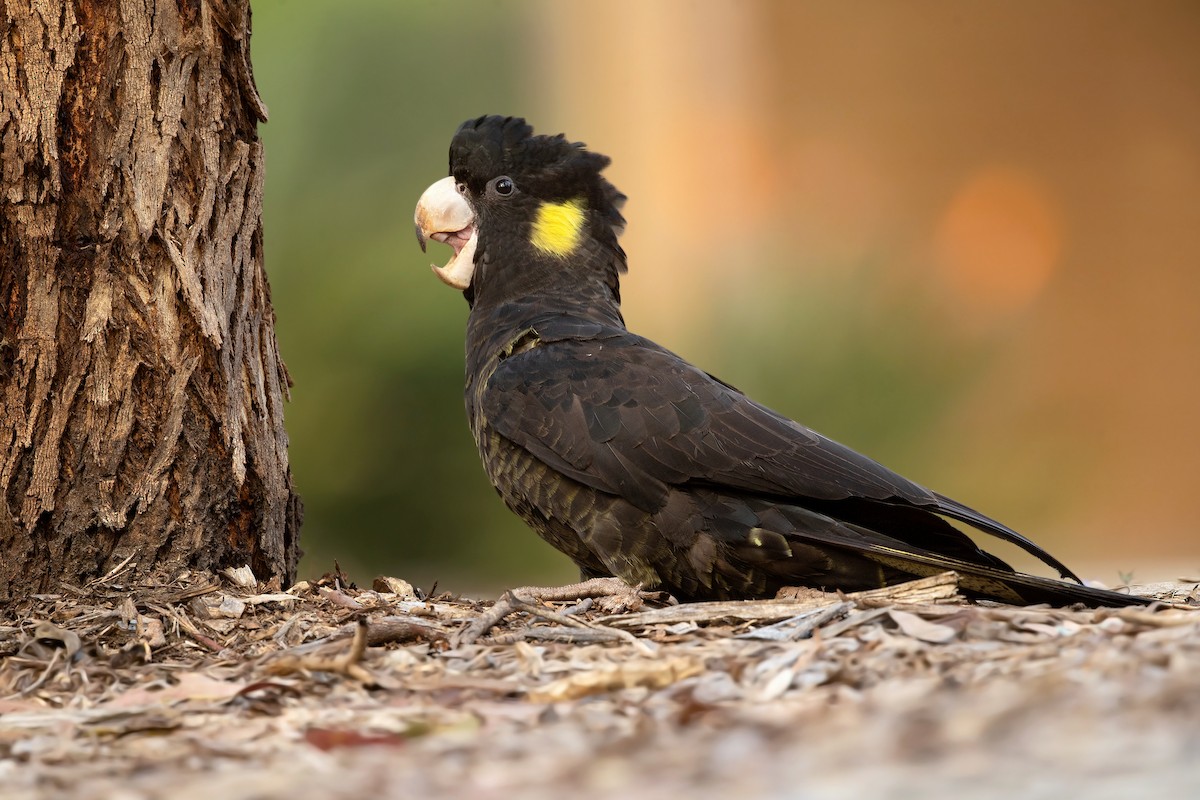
(1032, 176)
(962, 237)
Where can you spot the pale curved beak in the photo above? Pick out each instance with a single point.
(444, 215)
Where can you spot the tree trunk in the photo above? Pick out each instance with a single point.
(141, 384)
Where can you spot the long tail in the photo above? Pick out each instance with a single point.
(975, 579)
(956, 510)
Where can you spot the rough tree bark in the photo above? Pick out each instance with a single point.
(142, 389)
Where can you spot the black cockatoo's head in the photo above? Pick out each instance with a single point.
(524, 213)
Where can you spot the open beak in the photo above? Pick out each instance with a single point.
(445, 216)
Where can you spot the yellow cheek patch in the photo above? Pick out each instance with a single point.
(557, 227)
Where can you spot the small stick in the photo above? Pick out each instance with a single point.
(41, 678)
(348, 664)
(525, 598)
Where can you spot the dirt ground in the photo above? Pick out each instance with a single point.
(210, 686)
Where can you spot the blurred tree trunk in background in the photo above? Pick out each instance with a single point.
(142, 389)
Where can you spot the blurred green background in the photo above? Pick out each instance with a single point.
(962, 239)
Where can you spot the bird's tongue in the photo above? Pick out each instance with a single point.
(461, 266)
(457, 239)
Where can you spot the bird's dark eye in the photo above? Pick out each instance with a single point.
(504, 186)
(461, 187)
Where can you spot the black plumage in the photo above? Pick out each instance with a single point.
(637, 464)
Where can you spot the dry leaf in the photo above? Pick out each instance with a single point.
(231, 607)
(242, 576)
(921, 629)
(269, 597)
(327, 739)
(401, 588)
(150, 631)
(341, 598)
(128, 611)
(644, 673)
(49, 634)
(190, 686)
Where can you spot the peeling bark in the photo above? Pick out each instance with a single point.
(142, 388)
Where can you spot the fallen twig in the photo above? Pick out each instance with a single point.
(852, 621)
(50, 665)
(801, 626)
(925, 590)
(526, 598)
(387, 630)
(187, 626)
(348, 664)
(550, 633)
(651, 674)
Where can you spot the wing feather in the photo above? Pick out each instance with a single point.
(622, 415)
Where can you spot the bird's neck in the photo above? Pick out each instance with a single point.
(492, 327)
